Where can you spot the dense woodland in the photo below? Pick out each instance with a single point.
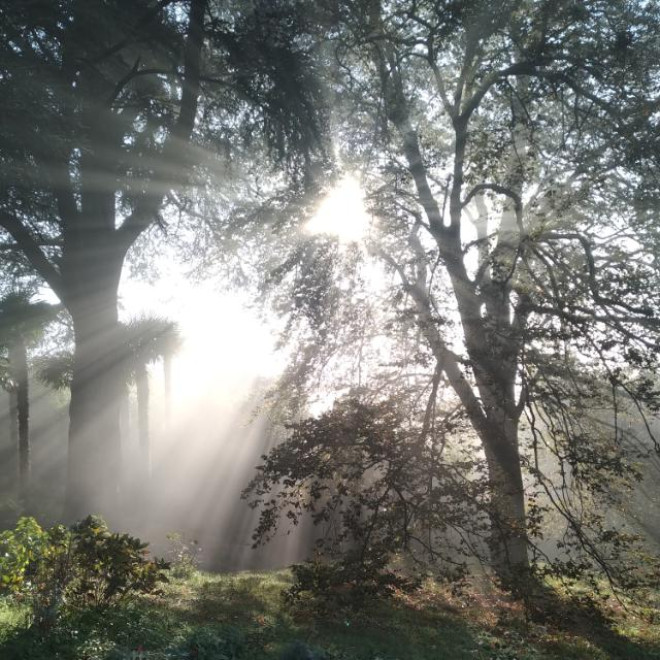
(471, 386)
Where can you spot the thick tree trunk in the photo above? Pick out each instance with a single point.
(19, 371)
(508, 541)
(96, 392)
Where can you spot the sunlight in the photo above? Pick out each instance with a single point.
(226, 347)
(342, 213)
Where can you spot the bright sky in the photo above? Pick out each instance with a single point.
(224, 339)
(226, 345)
(342, 213)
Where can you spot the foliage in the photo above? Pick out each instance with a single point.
(376, 486)
(216, 643)
(509, 160)
(21, 319)
(55, 370)
(85, 566)
(347, 583)
(381, 489)
(111, 566)
(21, 550)
(149, 338)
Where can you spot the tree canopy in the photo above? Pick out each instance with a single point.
(108, 108)
(509, 156)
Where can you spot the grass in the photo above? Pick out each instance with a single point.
(243, 617)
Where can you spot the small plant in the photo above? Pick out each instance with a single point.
(112, 566)
(183, 555)
(68, 569)
(20, 551)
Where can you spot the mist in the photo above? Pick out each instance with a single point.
(204, 447)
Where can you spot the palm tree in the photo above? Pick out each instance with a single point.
(146, 340)
(22, 322)
(55, 370)
(149, 339)
(170, 342)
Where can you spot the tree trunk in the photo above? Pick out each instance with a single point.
(96, 392)
(19, 372)
(142, 386)
(13, 431)
(508, 540)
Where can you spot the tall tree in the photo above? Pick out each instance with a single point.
(148, 340)
(21, 323)
(100, 104)
(505, 151)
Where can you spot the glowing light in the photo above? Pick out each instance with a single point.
(342, 213)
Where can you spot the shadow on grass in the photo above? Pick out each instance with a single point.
(580, 623)
(380, 629)
(243, 616)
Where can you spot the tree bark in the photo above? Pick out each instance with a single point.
(508, 541)
(13, 432)
(96, 391)
(19, 371)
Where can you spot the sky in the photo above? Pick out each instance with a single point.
(225, 337)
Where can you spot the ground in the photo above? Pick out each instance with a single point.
(244, 617)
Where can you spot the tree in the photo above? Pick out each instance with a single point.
(148, 340)
(101, 101)
(505, 151)
(21, 323)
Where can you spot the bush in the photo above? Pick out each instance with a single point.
(345, 583)
(20, 551)
(81, 567)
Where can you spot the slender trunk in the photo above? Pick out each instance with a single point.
(19, 370)
(142, 386)
(13, 429)
(167, 374)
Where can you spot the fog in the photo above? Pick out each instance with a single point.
(203, 450)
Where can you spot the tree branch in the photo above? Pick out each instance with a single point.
(149, 203)
(30, 248)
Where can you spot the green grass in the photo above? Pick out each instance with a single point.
(243, 617)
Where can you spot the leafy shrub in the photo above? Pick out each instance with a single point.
(85, 566)
(345, 583)
(20, 550)
(111, 566)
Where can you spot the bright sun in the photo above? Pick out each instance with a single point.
(342, 213)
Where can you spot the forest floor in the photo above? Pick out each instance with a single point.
(244, 617)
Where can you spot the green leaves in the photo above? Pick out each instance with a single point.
(20, 550)
(68, 569)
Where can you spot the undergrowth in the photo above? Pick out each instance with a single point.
(244, 616)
